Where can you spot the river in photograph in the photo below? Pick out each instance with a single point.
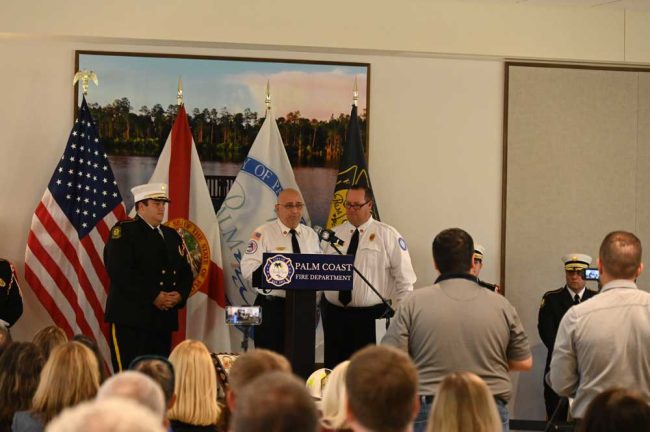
(316, 183)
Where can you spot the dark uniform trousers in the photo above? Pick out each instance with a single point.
(347, 330)
(141, 263)
(270, 333)
(11, 302)
(554, 305)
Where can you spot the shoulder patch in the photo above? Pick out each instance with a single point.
(543, 301)
(402, 243)
(251, 248)
(116, 232)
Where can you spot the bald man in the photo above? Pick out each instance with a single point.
(285, 234)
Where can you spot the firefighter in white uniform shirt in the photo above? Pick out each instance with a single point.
(276, 236)
(383, 258)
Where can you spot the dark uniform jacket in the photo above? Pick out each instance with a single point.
(554, 305)
(140, 264)
(11, 301)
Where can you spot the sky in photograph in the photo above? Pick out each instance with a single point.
(316, 90)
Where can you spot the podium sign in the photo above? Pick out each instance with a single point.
(308, 272)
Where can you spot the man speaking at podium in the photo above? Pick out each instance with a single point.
(284, 234)
(382, 257)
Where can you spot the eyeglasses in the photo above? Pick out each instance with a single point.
(349, 205)
(290, 206)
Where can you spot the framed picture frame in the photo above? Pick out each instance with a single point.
(135, 105)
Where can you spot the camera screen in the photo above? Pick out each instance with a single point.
(243, 315)
(591, 274)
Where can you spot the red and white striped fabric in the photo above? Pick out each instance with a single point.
(191, 213)
(64, 255)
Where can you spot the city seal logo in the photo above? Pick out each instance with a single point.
(278, 270)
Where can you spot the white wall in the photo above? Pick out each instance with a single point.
(436, 106)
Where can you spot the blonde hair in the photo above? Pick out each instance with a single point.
(195, 385)
(48, 338)
(334, 399)
(464, 403)
(70, 376)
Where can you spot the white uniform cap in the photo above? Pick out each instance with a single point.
(316, 382)
(576, 261)
(155, 191)
(479, 251)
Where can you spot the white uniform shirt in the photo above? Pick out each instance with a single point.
(275, 237)
(382, 257)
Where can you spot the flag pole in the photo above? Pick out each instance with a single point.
(267, 100)
(84, 76)
(179, 92)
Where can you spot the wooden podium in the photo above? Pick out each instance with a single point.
(301, 275)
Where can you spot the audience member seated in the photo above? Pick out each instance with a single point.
(137, 387)
(5, 338)
(275, 401)
(617, 410)
(334, 400)
(196, 406)
(160, 370)
(381, 383)
(245, 369)
(46, 339)
(69, 376)
(109, 415)
(463, 403)
(20, 370)
(92, 344)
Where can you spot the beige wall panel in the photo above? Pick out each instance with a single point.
(643, 173)
(637, 37)
(572, 160)
(415, 26)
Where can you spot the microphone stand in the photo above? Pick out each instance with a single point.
(389, 312)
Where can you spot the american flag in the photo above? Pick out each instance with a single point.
(63, 259)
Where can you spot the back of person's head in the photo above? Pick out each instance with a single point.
(196, 384)
(137, 387)
(464, 403)
(161, 371)
(20, 370)
(334, 400)
(109, 415)
(70, 376)
(617, 410)
(275, 402)
(382, 384)
(254, 363)
(92, 344)
(48, 338)
(5, 338)
(620, 255)
(453, 251)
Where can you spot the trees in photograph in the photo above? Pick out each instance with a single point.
(219, 134)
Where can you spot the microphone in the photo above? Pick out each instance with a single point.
(327, 235)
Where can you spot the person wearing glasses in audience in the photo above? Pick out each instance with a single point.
(284, 234)
(382, 256)
(479, 254)
(554, 305)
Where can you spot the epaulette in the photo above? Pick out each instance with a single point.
(556, 291)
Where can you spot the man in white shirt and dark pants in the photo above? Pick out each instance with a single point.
(382, 256)
(285, 234)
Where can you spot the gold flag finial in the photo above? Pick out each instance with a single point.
(355, 92)
(84, 76)
(267, 100)
(179, 93)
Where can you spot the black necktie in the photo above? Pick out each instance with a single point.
(294, 241)
(345, 297)
(576, 299)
